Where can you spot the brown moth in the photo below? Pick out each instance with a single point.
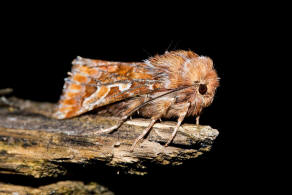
(175, 84)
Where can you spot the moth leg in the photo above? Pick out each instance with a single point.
(197, 120)
(164, 106)
(132, 108)
(179, 121)
(112, 128)
(144, 133)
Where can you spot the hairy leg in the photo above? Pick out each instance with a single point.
(112, 128)
(130, 106)
(146, 130)
(162, 106)
(197, 120)
(179, 121)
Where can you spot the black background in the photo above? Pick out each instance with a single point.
(36, 56)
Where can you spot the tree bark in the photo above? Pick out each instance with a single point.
(34, 144)
(63, 187)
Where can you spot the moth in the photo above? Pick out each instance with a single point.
(176, 84)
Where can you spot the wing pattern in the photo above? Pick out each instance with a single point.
(95, 83)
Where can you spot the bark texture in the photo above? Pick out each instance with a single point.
(34, 144)
(63, 187)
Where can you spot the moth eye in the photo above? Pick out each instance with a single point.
(202, 89)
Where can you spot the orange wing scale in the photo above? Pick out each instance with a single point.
(95, 83)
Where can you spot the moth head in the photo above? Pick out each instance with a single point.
(203, 76)
(186, 68)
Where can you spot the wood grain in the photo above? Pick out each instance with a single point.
(34, 144)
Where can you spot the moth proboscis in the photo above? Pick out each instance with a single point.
(175, 84)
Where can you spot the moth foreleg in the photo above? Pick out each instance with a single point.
(179, 121)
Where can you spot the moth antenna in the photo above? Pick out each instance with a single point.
(148, 53)
(169, 92)
(171, 42)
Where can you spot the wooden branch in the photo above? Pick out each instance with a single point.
(5, 91)
(32, 143)
(63, 187)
